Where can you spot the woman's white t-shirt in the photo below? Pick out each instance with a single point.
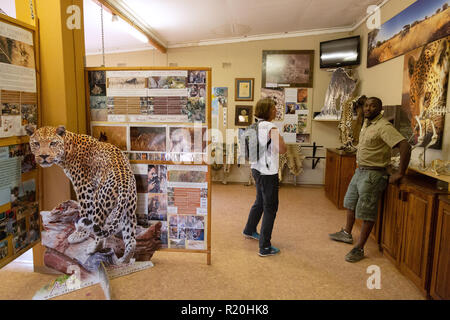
(268, 161)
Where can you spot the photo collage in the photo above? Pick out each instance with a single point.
(19, 209)
(293, 113)
(148, 96)
(21, 222)
(17, 109)
(158, 118)
(177, 143)
(18, 91)
(176, 196)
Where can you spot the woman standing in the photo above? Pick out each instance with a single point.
(265, 173)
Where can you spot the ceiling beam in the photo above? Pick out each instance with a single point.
(114, 7)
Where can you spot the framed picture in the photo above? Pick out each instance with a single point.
(243, 116)
(244, 89)
(404, 32)
(287, 68)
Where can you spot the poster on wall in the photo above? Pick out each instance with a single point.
(176, 196)
(296, 115)
(18, 93)
(422, 22)
(148, 96)
(424, 94)
(18, 201)
(278, 96)
(219, 102)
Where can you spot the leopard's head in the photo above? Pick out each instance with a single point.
(47, 144)
(428, 80)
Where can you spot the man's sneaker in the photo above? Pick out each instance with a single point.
(268, 251)
(254, 235)
(341, 236)
(355, 255)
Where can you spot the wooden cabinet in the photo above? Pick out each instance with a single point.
(416, 250)
(440, 282)
(391, 236)
(409, 218)
(339, 170)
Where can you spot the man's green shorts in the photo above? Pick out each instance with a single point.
(364, 191)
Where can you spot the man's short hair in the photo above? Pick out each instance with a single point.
(377, 100)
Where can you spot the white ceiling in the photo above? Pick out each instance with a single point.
(193, 22)
(8, 7)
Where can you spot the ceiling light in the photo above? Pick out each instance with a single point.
(114, 18)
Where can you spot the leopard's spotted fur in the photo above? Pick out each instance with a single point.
(103, 181)
(428, 85)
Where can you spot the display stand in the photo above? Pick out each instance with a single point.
(19, 106)
(147, 112)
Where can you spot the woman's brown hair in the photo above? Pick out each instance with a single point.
(262, 109)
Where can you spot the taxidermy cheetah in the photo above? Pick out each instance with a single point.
(102, 179)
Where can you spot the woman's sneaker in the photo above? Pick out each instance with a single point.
(268, 251)
(254, 235)
(342, 236)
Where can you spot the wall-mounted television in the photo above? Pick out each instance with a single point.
(340, 52)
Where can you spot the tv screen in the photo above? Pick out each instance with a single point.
(340, 53)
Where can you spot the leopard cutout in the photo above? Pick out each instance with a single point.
(428, 86)
(103, 181)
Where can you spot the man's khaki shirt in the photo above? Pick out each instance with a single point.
(376, 140)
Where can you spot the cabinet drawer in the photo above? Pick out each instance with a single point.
(440, 282)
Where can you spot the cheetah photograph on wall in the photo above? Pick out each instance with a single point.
(422, 22)
(424, 95)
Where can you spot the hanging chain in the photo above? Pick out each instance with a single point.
(103, 36)
(31, 9)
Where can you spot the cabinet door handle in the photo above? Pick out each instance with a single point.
(400, 194)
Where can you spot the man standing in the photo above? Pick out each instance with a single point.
(376, 140)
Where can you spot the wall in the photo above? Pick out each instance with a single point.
(246, 62)
(385, 80)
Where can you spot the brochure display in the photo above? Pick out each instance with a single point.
(19, 177)
(159, 117)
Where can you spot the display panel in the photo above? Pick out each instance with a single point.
(19, 179)
(160, 119)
